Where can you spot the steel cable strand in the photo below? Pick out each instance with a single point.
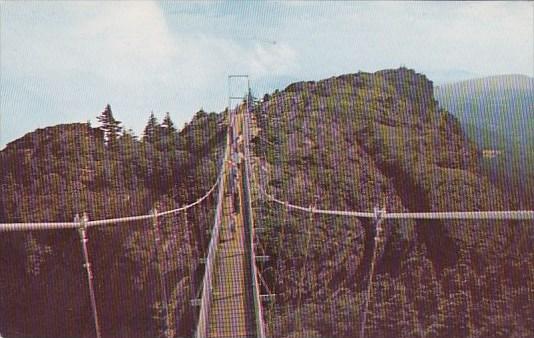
(261, 324)
(189, 206)
(316, 211)
(505, 214)
(492, 215)
(72, 225)
(206, 289)
(510, 214)
(37, 226)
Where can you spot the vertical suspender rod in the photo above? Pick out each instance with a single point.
(82, 231)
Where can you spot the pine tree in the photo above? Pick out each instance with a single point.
(110, 126)
(151, 130)
(129, 134)
(168, 124)
(169, 132)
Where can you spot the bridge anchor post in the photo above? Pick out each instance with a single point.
(379, 215)
(82, 232)
(159, 261)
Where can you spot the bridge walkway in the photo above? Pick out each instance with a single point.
(232, 308)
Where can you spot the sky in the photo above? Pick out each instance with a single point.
(62, 62)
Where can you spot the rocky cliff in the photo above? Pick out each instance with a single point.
(354, 142)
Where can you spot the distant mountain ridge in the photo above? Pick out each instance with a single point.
(496, 102)
(497, 113)
(515, 81)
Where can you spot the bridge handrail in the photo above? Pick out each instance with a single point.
(260, 325)
(38, 226)
(73, 225)
(506, 214)
(200, 200)
(207, 283)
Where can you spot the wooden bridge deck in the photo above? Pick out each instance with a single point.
(232, 307)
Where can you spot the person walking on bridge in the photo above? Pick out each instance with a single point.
(233, 223)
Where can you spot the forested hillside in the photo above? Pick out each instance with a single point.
(358, 141)
(54, 173)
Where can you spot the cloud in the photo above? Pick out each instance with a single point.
(63, 61)
(78, 56)
(114, 38)
(114, 42)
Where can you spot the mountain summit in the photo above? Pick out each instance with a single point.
(355, 142)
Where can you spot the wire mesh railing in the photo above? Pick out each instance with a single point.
(260, 326)
(208, 279)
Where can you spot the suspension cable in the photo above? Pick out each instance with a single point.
(488, 215)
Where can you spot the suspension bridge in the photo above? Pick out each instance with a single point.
(229, 300)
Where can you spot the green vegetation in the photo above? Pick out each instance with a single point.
(53, 174)
(110, 126)
(357, 141)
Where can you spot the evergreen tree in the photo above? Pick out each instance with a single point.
(110, 126)
(168, 124)
(200, 114)
(129, 134)
(169, 132)
(151, 130)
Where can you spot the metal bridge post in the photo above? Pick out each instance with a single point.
(161, 271)
(82, 231)
(378, 219)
